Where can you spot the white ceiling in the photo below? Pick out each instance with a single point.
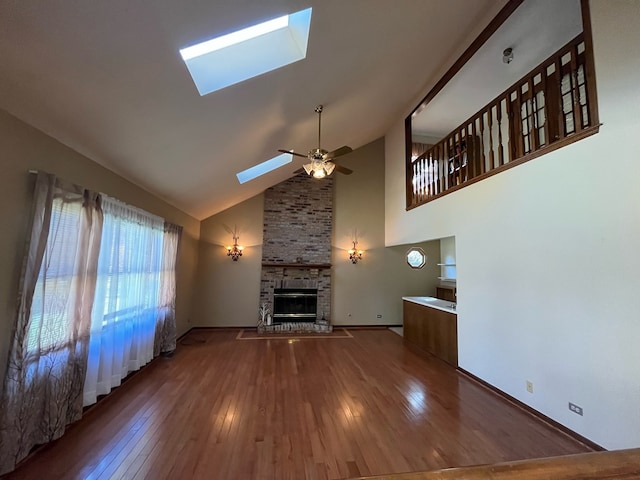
(105, 78)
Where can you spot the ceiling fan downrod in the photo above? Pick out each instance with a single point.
(319, 112)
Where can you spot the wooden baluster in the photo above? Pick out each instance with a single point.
(518, 121)
(543, 86)
(414, 184)
(432, 166)
(464, 157)
(577, 108)
(553, 103)
(432, 185)
(439, 160)
(511, 131)
(499, 122)
(445, 167)
(534, 141)
(436, 171)
(583, 62)
(480, 132)
(418, 196)
(445, 152)
(566, 70)
(423, 178)
(427, 176)
(490, 128)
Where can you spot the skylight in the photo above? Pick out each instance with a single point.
(229, 59)
(264, 167)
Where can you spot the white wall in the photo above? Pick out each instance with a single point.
(548, 256)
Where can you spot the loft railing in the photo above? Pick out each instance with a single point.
(550, 107)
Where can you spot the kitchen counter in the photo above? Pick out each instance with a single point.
(433, 302)
(432, 325)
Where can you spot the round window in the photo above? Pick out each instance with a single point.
(416, 258)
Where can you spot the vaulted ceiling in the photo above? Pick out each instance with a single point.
(106, 79)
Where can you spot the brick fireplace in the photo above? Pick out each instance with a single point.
(297, 232)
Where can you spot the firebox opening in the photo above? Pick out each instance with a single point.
(295, 305)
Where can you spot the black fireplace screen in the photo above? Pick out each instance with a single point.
(295, 305)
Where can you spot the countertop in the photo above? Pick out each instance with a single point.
(433, 302)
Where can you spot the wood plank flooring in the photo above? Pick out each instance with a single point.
(325, 408)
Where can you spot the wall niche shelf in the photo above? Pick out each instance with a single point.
(443, 278)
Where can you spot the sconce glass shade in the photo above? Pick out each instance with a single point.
(354, 254)
(235, 251)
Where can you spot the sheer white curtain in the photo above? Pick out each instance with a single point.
(123, 323)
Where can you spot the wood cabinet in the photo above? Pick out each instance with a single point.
(444, 292)
(433, 330)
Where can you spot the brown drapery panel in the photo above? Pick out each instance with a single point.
(42, 391)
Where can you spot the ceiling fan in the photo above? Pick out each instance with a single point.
(321, 161)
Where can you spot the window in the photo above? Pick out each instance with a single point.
(416, 258)
(96, 301)
(48, 327)
(128, 308)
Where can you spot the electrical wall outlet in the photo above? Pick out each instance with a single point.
(575, 408)
(379, 315)
(529, 386)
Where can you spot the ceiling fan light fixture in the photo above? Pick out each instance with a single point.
(320, 173)
(308, 167)
(328, 167)
(320, 161)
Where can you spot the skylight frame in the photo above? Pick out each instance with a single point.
(232, 58)
(264, 167)
(233, 38)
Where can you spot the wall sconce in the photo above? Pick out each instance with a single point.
(235, 251)
(355, 254)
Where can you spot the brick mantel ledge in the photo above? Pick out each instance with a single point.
(296, 265)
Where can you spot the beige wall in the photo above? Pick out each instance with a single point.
(23, 148)
(375, 285)
(228, 292)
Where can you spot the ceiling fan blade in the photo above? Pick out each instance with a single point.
(300, 170)
(338, 152)
(343, 170)
(293, 153)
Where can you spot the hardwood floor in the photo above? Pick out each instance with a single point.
(323, 408)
